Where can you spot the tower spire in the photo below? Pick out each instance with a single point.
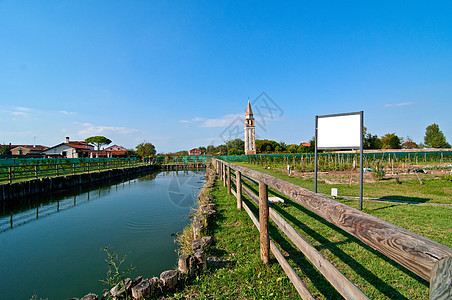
(249, 111)
(250, 143)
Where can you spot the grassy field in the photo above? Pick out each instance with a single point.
(434, 189)
(244, 277)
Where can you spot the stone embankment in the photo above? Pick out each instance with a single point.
(192, 260)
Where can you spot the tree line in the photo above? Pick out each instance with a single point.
(433, 138)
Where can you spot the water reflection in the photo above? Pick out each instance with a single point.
(21, 211)
(58, 238)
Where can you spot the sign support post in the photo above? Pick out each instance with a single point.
(361, 160)
(341, 131)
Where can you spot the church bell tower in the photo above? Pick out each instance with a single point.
(250, 143)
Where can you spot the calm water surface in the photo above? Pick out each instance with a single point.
(54, 249)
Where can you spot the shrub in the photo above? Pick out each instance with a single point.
(448, 177)
(378, 171)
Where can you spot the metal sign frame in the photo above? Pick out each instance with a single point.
(361, 114)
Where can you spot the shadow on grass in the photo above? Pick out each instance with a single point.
(297, 258)
(397, 198)
(379, 284)
(333, 247)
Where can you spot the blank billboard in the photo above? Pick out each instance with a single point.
(339, 131)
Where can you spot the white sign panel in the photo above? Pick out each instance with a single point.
(339, 132)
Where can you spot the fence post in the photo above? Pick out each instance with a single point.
(10, 174)
(36, 172)
(238, 184)
(224, 175)
(263, 221)
(56, 169)
(228, 179)
(73, 169)
(441, 279)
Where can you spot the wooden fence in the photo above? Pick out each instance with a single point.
(11, 173)
(426, 258)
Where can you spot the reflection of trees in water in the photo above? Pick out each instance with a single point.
(21, 211)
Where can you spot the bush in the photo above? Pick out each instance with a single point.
(448, 177)
(378, 171)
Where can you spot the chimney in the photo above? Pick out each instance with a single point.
(67, 140)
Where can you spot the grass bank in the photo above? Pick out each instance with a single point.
(240, 273)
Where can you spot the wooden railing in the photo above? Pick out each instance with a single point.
(11, 173)
(426, 258)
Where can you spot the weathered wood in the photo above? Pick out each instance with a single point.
(234, 193)
(90, 296)
(141, 290)
(170, 279)
(201, 257)
(441, 280)
(346, 288)
(224, 174)
(250, 194)
(263, 221)
(414, 252)
(296, 281)
(228, 179)
(251, 215)
(238, 184)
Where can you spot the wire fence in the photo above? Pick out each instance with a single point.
(347, 161)
(26, 169)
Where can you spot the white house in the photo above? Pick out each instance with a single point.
(70, 149)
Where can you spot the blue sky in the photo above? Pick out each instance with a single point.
(179, 73)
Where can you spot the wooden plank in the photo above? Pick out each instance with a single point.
(440, 283)
(296, 281)
(251, 215)
(238, 184)
(416, 253)
(346, 288)
(234, 193)
(228, 179)
(250, 194)
(224, 174)
(341, 283)
(263, 221)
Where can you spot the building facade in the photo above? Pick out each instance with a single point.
(250, 138)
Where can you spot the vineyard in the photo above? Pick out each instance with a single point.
(386, 161)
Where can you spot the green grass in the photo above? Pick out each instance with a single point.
(377, 276)
(433, 190)
(245, 277)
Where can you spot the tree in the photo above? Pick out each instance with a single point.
(264, 146)
(237, 144)
(434, 138)
(292, 148)
(203, 150)
(235, 151)
(145, 149)
(98, 141)
(391, 141)
(211, 149)
(372, 142)
(409, 144)
(5, 150)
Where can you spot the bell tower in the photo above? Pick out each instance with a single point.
(250, 143)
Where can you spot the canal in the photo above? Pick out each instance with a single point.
(52, 247)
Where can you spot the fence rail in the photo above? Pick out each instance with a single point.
(11, 173)
(426, 258)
